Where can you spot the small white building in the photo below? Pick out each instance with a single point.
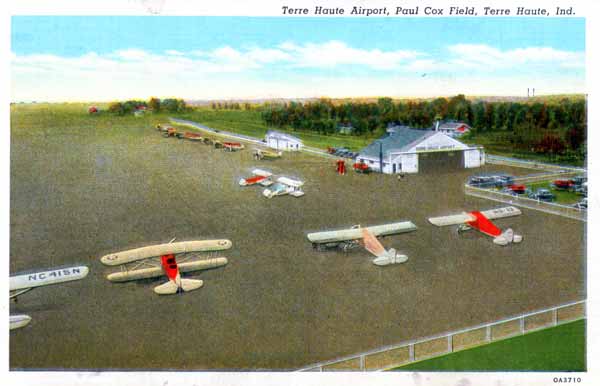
(407, 150)
(282, 141)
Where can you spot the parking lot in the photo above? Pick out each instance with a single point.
(278, 304)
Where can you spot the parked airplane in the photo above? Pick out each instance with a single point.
(20, 284)
(481, 222)
(259, 176)
(346, 239)
(260, 154)
(284, 186)
(232, 146)
(168, 265)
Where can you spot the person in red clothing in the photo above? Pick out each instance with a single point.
(341, 167)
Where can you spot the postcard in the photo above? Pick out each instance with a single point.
(233, 193)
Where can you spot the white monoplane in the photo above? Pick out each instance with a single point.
(142, 267)
(261, 177)
(284, 186)
(481, 222)
(346, 239)
(20, 284)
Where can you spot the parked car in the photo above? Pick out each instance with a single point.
(563, 185)
(341, 151)
(542, 195)
(581, 204)
(491, 181)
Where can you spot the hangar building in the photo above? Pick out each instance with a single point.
(408, 150)
(282, 141)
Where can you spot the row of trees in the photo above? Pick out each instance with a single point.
(230, 106)
(555, 125)
(170, 105)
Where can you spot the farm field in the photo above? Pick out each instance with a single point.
(560, 348)
(83, 186)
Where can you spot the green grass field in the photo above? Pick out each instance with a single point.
(497, 144)
(560, 348)
(562, 196)
(249, 122)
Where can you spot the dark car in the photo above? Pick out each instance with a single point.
(341, 151)
(542, 195)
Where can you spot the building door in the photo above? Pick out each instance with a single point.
(394, 168)
(440, 161)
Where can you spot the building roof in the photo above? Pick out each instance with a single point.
(402, 139)
(279, 135)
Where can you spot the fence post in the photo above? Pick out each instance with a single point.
(450, 343)
(488, 333)
(411, 352)
(555, 316)
(362, 363)
(522, 324)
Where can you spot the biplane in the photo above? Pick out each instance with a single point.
(346, 239)
(20, 284)
(138, 264)
(481, 221)
(283, 186)
(260, 154)
(259, 176)
(232, 146)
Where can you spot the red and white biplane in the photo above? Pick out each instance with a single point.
(481, 222)
(261, 177)
(233, 146)
(144, 268)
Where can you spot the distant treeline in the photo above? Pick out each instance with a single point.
(230, 106)
(170, 105)
(552, 126)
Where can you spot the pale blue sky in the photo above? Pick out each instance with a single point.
(103, 58)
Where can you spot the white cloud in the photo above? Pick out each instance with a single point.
(230, 72)
(484, 56)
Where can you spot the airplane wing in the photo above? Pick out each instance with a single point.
(455, 219)
(507, 211)
(147, 273)
(38, 279)
(463, 218)
(165, 249)
(356, 233)
(18, 321)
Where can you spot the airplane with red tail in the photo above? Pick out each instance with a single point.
(138, 265)
(259, 176)
(481, 221)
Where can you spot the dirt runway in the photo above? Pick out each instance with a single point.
(278, 304)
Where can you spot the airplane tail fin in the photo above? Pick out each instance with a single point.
(507, 237)
(384, 257)
(170, 287)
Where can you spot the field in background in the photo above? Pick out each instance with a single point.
(560, 348)
(249, 122)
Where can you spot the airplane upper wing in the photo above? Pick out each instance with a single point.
(492, 214)
(164, 249)
(507, 211)
(54, 276)
(356, 233)
(454, 219)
